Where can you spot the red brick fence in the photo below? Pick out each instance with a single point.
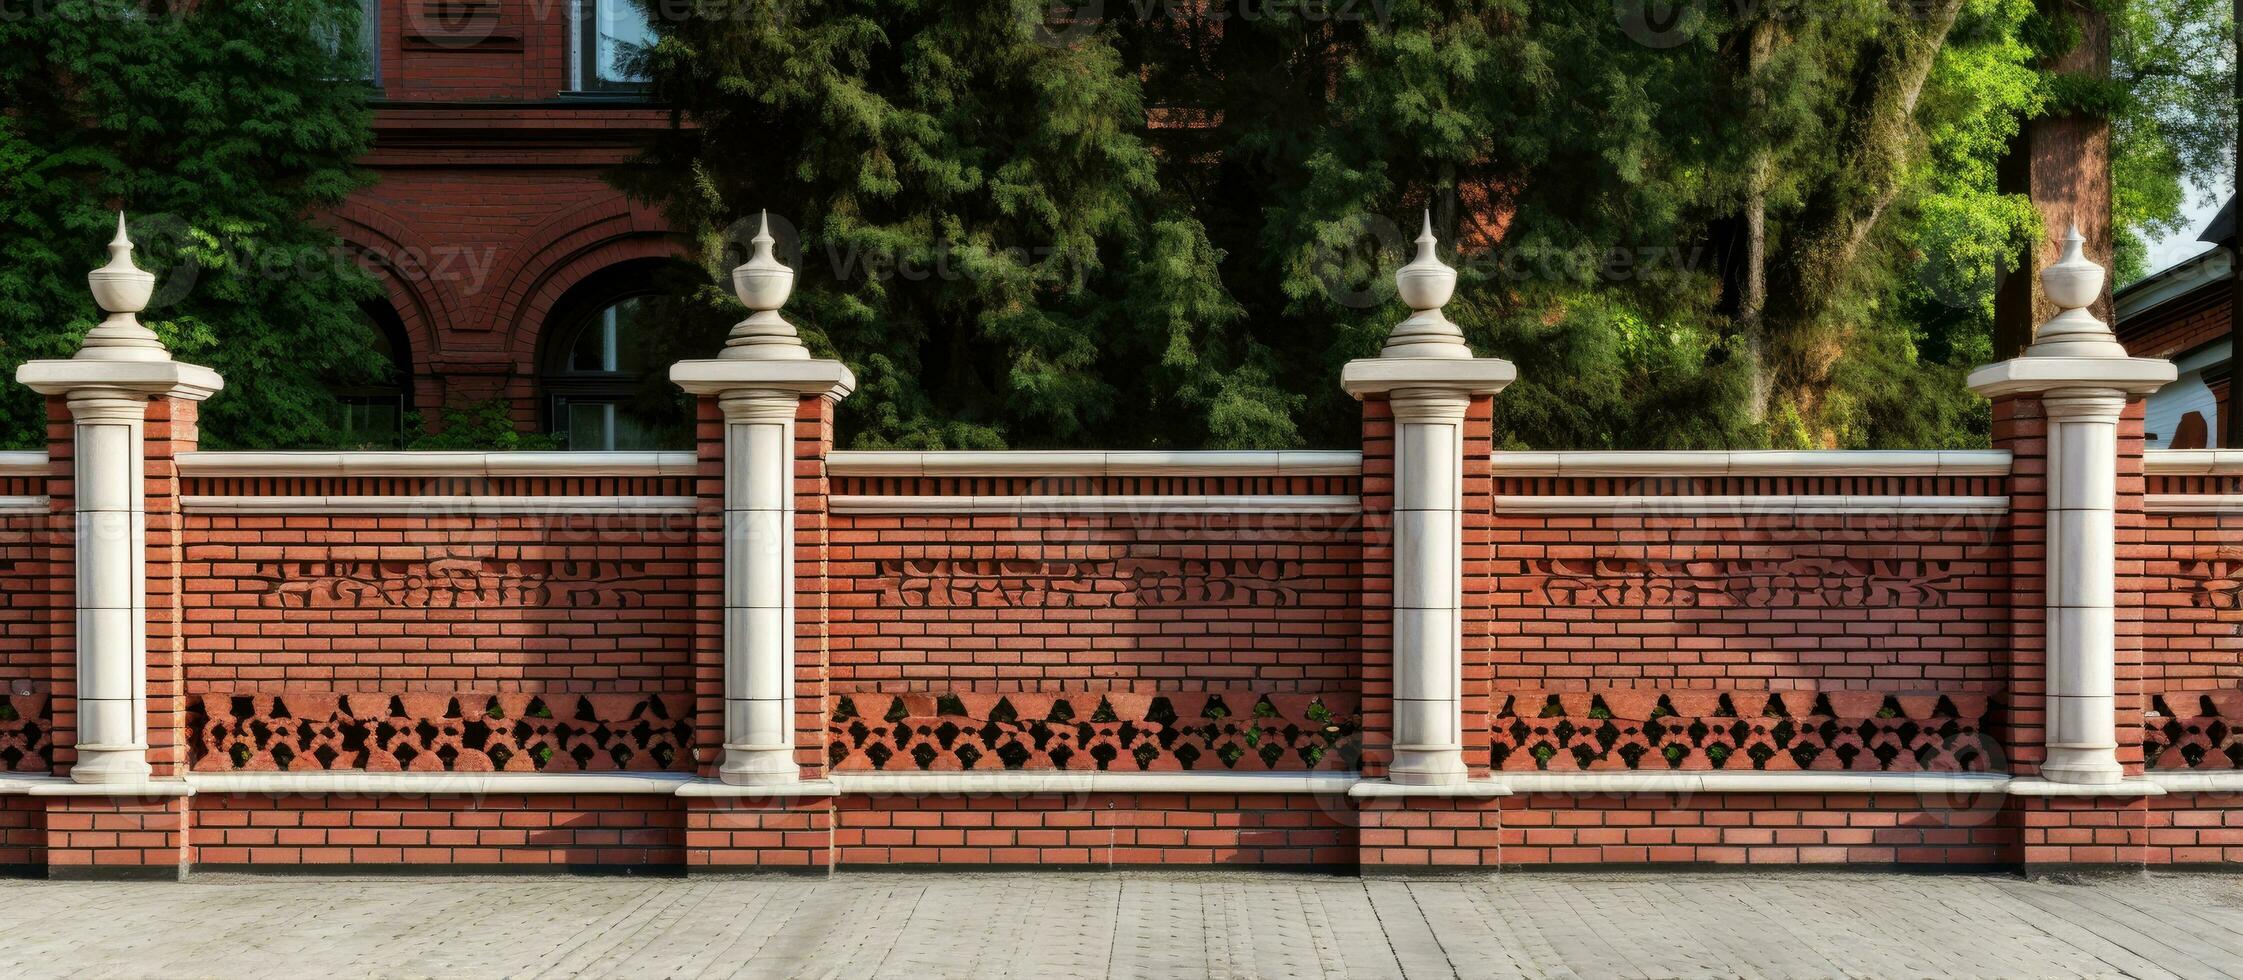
(767, 653)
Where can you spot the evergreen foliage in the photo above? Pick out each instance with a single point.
(1210, 196)
(218, 125)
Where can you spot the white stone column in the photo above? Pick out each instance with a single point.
(2083, 379)
(107, 387)
(760, 381)
(1428, 377)
(2082, 739)
(758, 586)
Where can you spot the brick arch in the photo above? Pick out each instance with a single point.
(378, 239)
(568, 248)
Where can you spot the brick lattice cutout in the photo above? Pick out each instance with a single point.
(1212, 730)
(1651, 730)
(26, 733)
(464, 732)
(2206, 738)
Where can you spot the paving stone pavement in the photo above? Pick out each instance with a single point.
(917, 926)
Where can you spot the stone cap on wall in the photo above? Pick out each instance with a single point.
(440, 463)
(1286, 462)
(1838, 462)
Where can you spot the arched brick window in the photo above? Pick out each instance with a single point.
(603, 377)
(373, 415)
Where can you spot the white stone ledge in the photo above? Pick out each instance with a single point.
(1042, 781)
(438, 506)
(1124, 504)
(21, 783)
(359, 782)
(710, 789)
(1748, 504)
(2036, 786)
(1719, 781)
(21, 506)
(2194, 503)
(59, 786)
(2195, 781)
(437, 464)
(1093, 463)
(23, 464)
(1471, 789)
(1756, 463)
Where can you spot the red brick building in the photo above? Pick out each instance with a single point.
(2183, 314)
(508, 260)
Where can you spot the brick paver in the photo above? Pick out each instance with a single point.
(1129, 925)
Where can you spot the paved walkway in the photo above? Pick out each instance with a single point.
(1127, 925)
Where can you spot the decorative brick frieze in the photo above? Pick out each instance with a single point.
(1651, 730)
(26, 733)
(1231, 730)
(457, 732)
(2193, 731)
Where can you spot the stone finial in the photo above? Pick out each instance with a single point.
(2074, 283)
(763, 284)
(122, 290)
(1426, 285)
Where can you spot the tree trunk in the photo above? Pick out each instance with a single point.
(1824, 241)
(1752, 301)
(2231, 431)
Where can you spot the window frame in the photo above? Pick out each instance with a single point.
(584, 55)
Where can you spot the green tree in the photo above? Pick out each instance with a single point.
(218, 125)
(1763, 223)
(985, 235)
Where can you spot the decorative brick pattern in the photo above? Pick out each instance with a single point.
(26, 733)
(1111, 731)
(464, 732)
(1790, 730)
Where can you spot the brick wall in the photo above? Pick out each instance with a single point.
(459, 832)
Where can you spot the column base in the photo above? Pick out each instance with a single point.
(98, 764)
(1427, 767)
(2083, 768)
(759, 767)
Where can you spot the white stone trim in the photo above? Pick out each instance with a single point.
(2193, 462)
(435, 464)
(22, 783)
(438, 505)
(1471, 789)
(1087, 504)
(2034, 786)
(2192, 781)
(1093, 463)
(23, 506)
(1720, 781)
(1748, 504)
(1042, 781)
(23, 463)
(2194, 503)
(709, 789)
(356, 782)
(128, 787)
(1755, 463)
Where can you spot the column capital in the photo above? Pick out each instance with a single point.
(2035, 375)
(805, 378)
(1396, 377)
(141, 379)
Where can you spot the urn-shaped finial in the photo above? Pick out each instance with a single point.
(1426, 285)
(763, 285)
(2073, 284)
(122, 290)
